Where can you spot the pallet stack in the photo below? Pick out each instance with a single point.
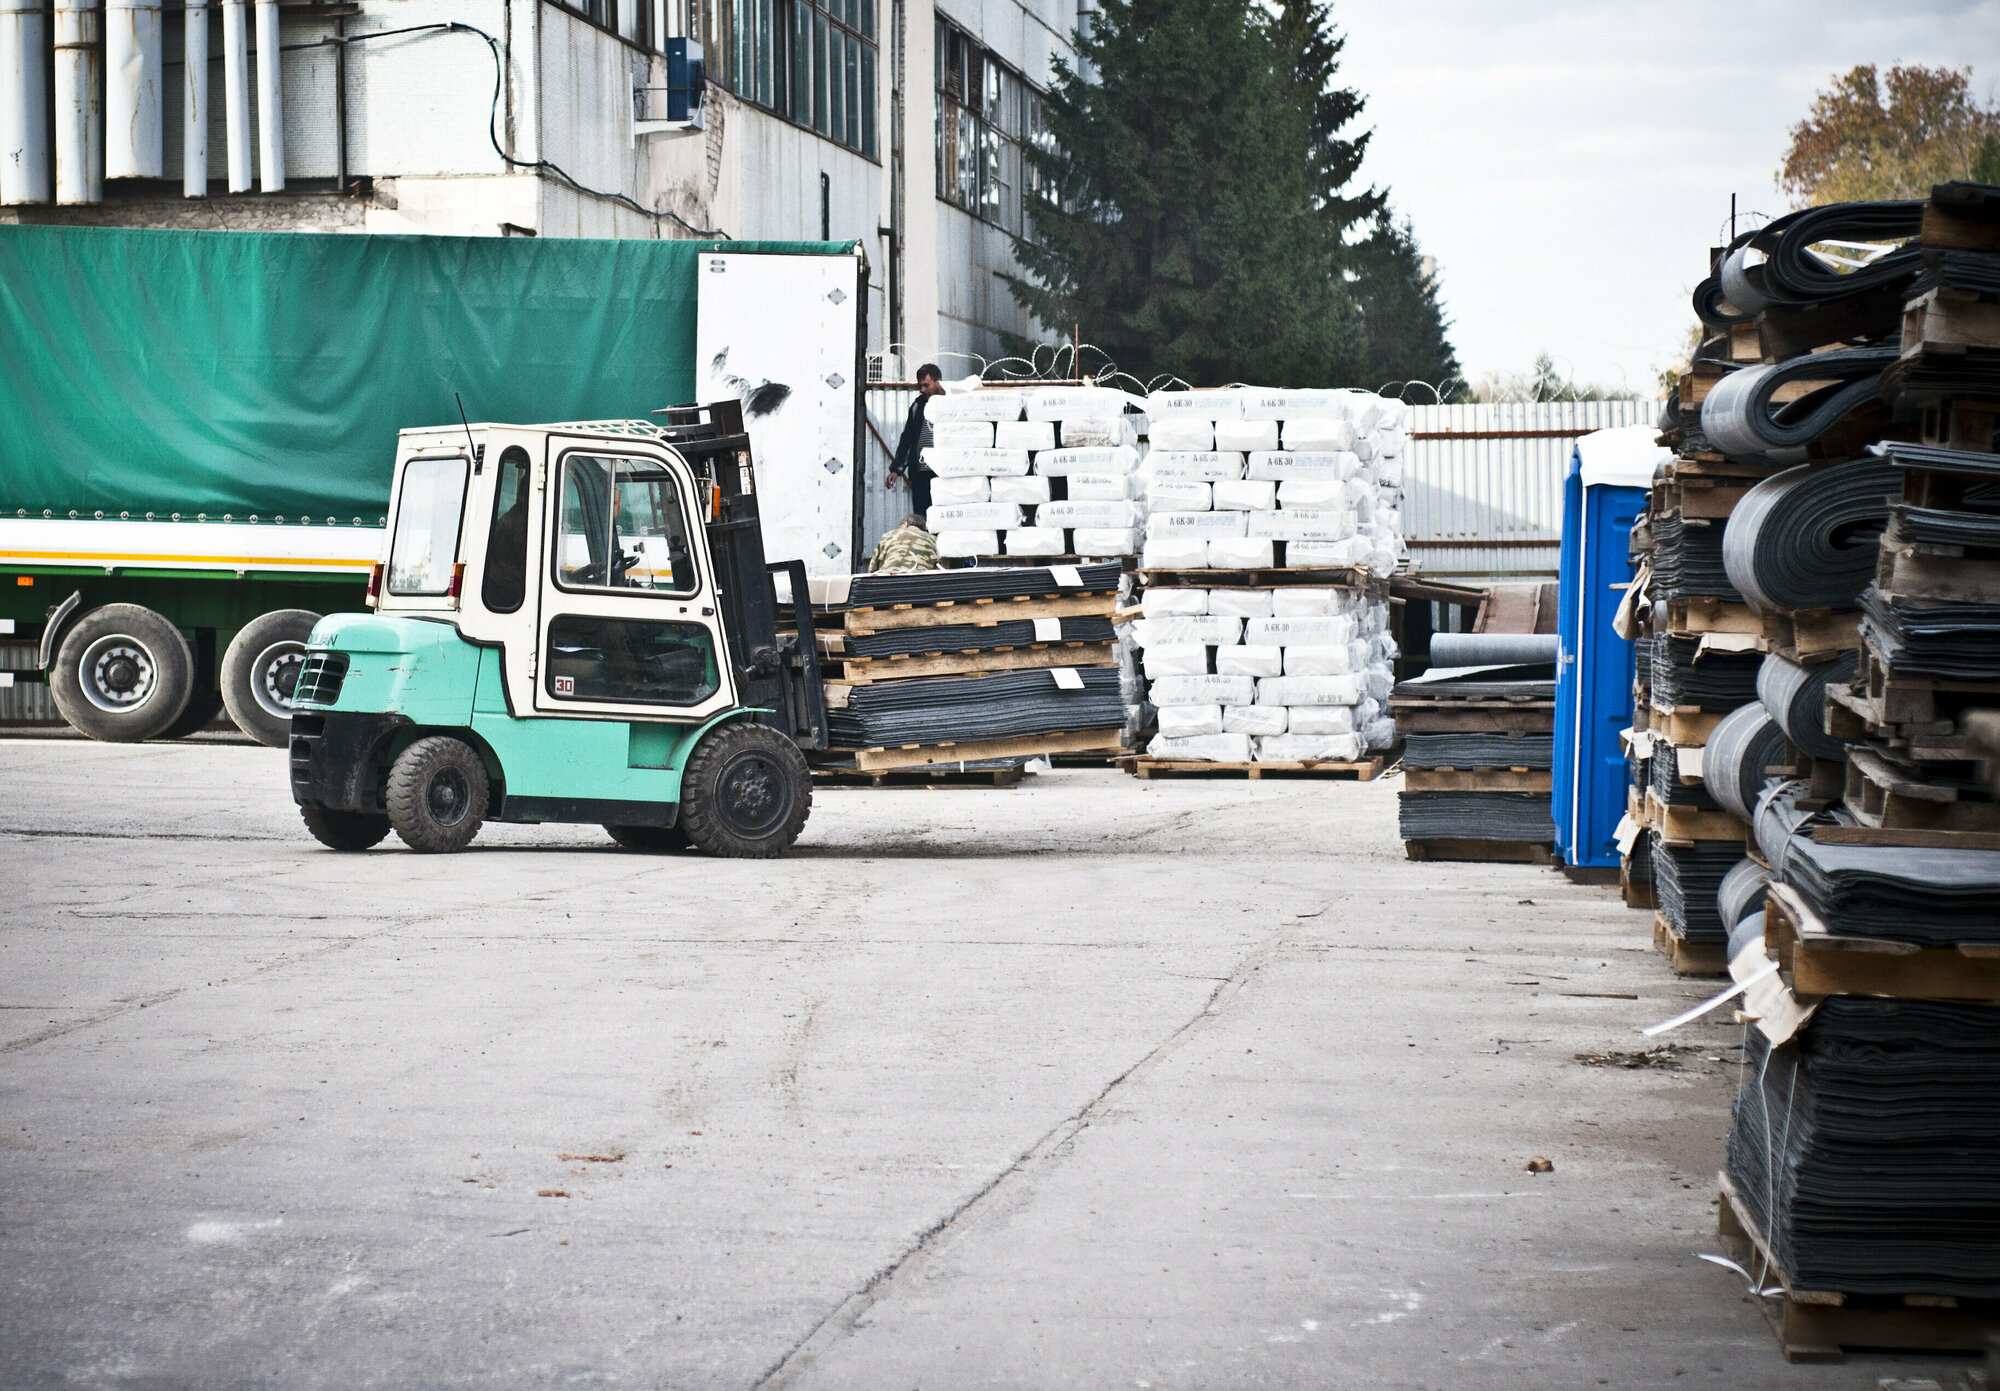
(949, 668)
(1272, 522)
(1478, 750)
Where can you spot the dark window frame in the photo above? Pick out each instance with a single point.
(799, 54)
(988, 113)
(707, 638)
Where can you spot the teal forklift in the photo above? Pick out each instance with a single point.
(573, 623)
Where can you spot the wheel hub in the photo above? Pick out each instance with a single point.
(274, 676)
(448, 797)
(751, 795)
(118, 673)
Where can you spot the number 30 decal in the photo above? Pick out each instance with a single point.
(565, 685)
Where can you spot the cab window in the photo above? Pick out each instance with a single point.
(428, 511)
(506, 581)
(630, 660)
(622, 528)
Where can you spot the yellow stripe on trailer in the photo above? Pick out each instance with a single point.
(227, 562)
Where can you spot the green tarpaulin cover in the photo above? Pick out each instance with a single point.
(268, 373)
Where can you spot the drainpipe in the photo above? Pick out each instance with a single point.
(79, 102)
(24, 102)
(134, 147)
(236, 91)
(270, 100)
(194, 124)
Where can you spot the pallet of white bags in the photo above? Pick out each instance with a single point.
(1360, 770)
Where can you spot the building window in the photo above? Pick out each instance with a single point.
(811, 61)
(985, 113)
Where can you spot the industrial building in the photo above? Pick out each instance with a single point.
(537, 118)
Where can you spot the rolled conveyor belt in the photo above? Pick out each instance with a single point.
(1793, 274)
(1808, 538)
(1742, 892)
(1492, 649)
(1739, 750)
(1795, 696)
(1780, 821)
(1740, 417)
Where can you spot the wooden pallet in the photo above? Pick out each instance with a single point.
(980, 613)
(1686, 825)
(1683, 726)
(1823, 1325)
(1689, 958)
(1932, 574)
(967, 562)
(1465, 717)
(1885, 797)
(918, 777)
(1812, 636)
(1486, 852)
(863, 671)
(1698, 616)
(1637, 893)
(1359, 770)
(1950, 322)
(1817, 962)
(1854, 715)
(1270, 577)
(977, 750)
(1514, 779)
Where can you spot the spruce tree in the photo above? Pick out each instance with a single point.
(1405, 323)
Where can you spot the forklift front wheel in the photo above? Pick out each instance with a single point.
(343, 830)
(437, 794)
(746, 792)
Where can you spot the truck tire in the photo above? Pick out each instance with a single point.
(651, 838)
(122, 674)
(437, 794)
(344, 830)
(259, 671)
(746, 792)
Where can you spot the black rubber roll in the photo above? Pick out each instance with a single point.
(1795, 697)
(1807, 538)
(1742, 892)
(1794, 274)
(1751, 929)
(1740, 417)
(1713, 308)
(1747, 742)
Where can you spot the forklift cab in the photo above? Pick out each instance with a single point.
(572, 623)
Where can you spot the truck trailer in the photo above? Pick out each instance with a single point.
(197, 427)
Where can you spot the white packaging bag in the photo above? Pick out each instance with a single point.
(1174, 603)
(1078, 512)
(1309, 690)
(1237, 495)
(975, 463)
(1321, 719)
(1200, 463)
(1245, 435)
(1025, 434)
(1028, 490)
(1239, 553)
(1060, 463)
(1064, 402)
(1284, 464)
(960, 544)
(960, 434)
(1352, 553)
(1302, 524)
(959, 515)
(1105, 540)
(1303, 601)
(1036, 540)
(1189, 721)
(1389, 444)
(1240, 603)
(1318, 432)
(1306, 748)
(1207, 404)
(1170, 632)
(1183, 432)
(1208, 748)
(1204, 690)
(1099, 431)
(1002, 404)
(1101, 487)
(1364, 408)
(1206, 525)
(1304, 631)
(1379, 734)
(1315, 492)
(1274, 403)
(1184, 551)
(1335, 660)
(1247, 661)
(945, 491)
(1377, 682)
(1180, 659)
(1177, 494)
(1254, 719)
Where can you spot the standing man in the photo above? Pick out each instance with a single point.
(909, 465)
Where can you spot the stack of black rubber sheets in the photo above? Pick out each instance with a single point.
(975, 709)
(1916, 894)
(1691, 671)
(1478, 746)
(1951, 511)
(1686, 878)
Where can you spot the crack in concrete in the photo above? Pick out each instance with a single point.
(1052, 1144)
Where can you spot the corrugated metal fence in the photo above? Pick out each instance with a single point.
(1482, 485)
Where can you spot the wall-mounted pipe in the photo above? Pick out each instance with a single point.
(134, 146)
(24, 102)
(236, 91)
(79, 101)
(270, 100)
(194, 114)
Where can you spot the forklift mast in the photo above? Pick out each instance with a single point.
(778, 673)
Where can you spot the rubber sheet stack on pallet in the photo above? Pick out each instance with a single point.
(1035, 471)
(944, 668)
(1272, 523)
(1862, 1183)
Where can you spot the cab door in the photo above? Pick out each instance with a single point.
(629, 627)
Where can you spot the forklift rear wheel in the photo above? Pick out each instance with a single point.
(654, 838)
(122, 673)
(344, 830)
(746, 792)
(437, 794)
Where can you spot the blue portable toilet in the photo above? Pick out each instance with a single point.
(1610, 472)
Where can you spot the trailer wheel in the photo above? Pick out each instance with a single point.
(651, 838)
(344, 830)
(260, 670)
(437, 794)
(123, 673)
(746, 792)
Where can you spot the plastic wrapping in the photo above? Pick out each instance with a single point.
(974, 463)
(1304, 601)
(1309, 690)
(960, 515)
(1172, 494)
(1105, 540)
(1036, 540)
(1241, 552)
(961, 544)
(1122, 513)
(1210, 748)
(1206, 525)
(1063, 402)
(1027, 490)
(1084, 432)
(1246, 434)
(1256, 720)
(1321, 719)
(1183, 432)
(1324, 432)
(1210, 464)
(1305, 631)
(1357, 552)
(1224, 403)
(1183, 552)
(1174, 603)
(1300, 748)
(1334, 660)
(1025, 434)
(974, 405)
(1059, 463)
(1188, 721)
(960, 434)
(1101, 487)
(1246, 660)
(1203, 690)
(1241, 603)
(1169, 632)
(946, 491)
(1322, 465)
(1316, 492)
(1176, 659)
(1241, 495)
(1303, 524)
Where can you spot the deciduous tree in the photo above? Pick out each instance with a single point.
(1867, 137)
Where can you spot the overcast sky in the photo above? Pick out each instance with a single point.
(1570, 163)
